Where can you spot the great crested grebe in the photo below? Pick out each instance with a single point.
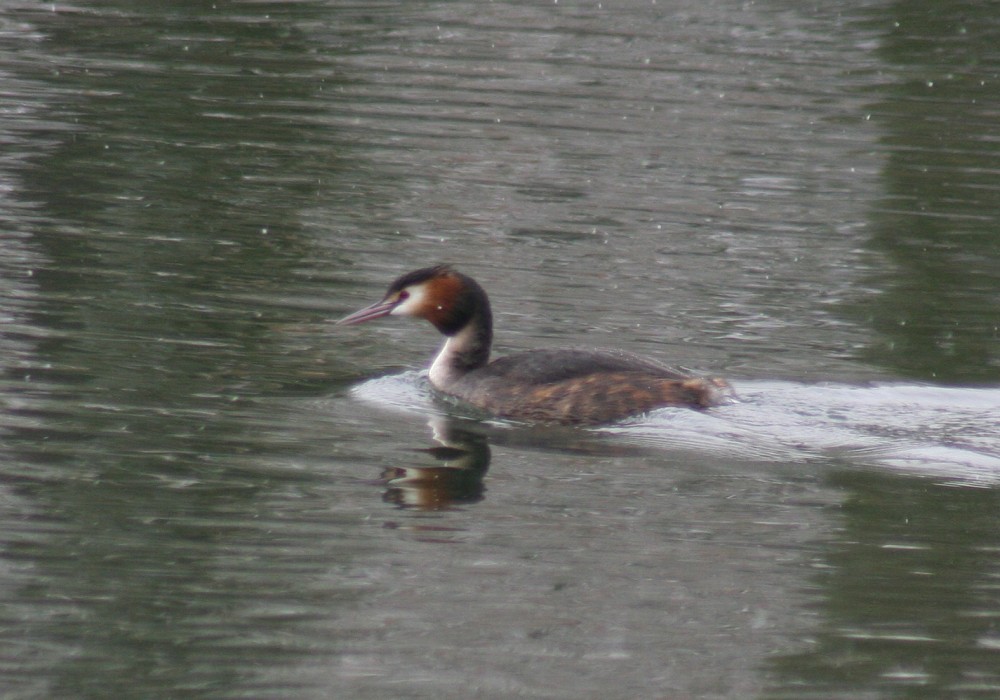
(562, 385)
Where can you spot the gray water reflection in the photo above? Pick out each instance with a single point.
(938, 314)
(903, 544)
(198, 501)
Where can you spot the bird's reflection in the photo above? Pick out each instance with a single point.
(455, 477)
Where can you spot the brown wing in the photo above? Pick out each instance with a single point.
(600, 398)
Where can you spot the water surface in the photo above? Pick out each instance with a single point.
(210, 491)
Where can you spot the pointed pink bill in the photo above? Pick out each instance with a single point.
(369, 313)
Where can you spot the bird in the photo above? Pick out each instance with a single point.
(569, 386)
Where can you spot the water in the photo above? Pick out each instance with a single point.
(210, 491)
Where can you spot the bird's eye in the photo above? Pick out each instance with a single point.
(404, 295)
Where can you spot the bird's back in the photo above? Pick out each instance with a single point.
(580, 386)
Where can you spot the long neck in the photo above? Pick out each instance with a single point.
(465, 350)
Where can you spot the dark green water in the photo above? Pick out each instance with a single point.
(209, 491)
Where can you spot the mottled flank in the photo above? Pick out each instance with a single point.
(591, 399)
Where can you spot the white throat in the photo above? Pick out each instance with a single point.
(445, 370)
